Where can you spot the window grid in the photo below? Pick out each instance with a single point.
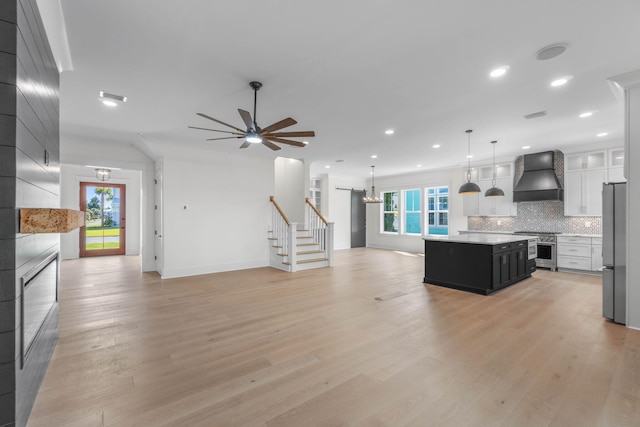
(412, 211)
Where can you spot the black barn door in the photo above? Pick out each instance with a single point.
(358, 219)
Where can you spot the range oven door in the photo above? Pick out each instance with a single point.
(546, 255)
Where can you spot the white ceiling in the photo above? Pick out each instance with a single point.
(349, 70)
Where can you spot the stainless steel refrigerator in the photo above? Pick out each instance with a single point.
(614, 251)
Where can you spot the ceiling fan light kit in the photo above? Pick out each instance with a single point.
(469, 187)
(256, 135)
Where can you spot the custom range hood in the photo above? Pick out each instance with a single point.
(539, 180)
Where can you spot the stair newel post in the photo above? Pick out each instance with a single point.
(292, 235)
(328, 242)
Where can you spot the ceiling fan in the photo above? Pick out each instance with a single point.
(256, 135)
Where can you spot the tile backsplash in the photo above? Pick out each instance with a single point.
(538, 216)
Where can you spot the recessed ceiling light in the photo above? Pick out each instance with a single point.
(586, 114)
(469, 156)
(327, 166)
(525, 147)
(602, 134)
(374, 156)
(436, 145)
(109, 103)
(561, 81)
(418, 166)
(500, 71)
(389, 131)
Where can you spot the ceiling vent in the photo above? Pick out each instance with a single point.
(118, 98)
(535, 115)
(550, 52)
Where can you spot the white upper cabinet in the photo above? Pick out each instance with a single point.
(585, 161)
(616, 165)
(584, 175)
(478, 204)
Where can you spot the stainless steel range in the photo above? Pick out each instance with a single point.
(546, 248)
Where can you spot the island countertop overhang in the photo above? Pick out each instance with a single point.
(480, 239)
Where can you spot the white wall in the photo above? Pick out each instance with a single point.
(70, 178)
(453, 178)
(338, 206)
(290, 187)
(82, 151)
(228, 211)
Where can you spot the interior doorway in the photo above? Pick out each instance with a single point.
(105, 213)
(358, 219)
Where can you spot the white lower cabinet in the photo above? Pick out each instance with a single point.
(579, 253)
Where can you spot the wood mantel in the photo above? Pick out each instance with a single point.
(39, 220)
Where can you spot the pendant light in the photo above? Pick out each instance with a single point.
(494, 191)
(469, 187)
(373, 198)
(103, 174)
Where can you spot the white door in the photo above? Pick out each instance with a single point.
(159, 249)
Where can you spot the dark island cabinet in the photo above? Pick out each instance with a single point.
(474, 267)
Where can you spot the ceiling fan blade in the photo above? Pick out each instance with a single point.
(226, 137)
(287, 141)
(293, 134)
(215, 130)
(271, 145)
(279, 125)
(218, 121)
(245, 144)
(246, 118)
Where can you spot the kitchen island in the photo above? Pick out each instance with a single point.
(476, 263)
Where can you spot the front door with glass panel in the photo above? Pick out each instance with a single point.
(104, 230)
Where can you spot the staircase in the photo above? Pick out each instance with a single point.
(294, 249)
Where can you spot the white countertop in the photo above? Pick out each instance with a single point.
(579, 235)
(484, 232)
(511, 232)
(479, 239)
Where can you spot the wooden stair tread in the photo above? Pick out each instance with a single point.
(317, 251)
(307, 244)
(306, 261)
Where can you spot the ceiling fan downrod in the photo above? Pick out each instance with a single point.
(256, 87)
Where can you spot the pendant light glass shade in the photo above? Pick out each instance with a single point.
(469, 187)
(103, 174)
(373, 198)
(494, 191)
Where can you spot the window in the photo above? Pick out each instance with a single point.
(315, 192)
(390, 213)
(412, 212)
(438, 210)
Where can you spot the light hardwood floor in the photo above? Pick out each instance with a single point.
(364, 343)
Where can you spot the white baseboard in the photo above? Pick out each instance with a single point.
(172, 273)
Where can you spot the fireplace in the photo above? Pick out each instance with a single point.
(40, 294)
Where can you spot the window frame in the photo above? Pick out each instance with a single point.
(437, 211)
(406, 211)
(395, 212)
